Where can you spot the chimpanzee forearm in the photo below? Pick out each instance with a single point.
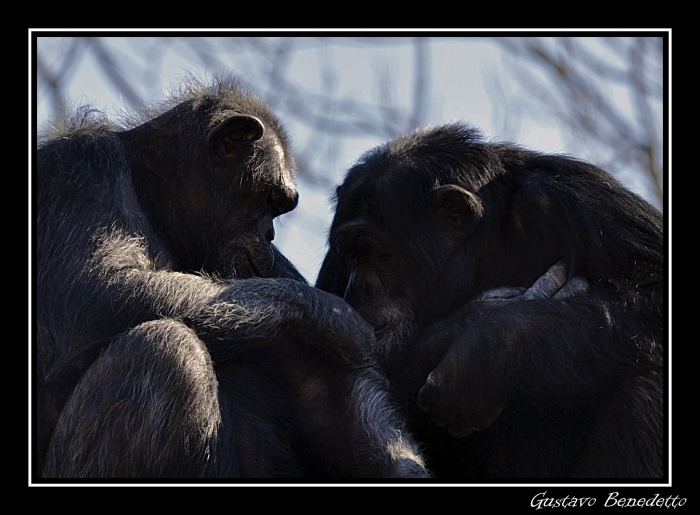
(567, 349)
(254, 312)
(559, 353)
(232, 316)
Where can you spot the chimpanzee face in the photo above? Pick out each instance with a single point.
(213, 196)
(401, 243)
(401, 264)
(377, 285)
(254, 164)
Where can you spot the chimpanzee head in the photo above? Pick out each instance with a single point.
(427, 221)
(212, 172)
(399, 239)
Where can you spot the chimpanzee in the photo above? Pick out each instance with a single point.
(173, 340)
(570, 386)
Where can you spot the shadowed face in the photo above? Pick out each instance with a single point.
(404, 242)
(389, 257)
(214, 196)
(264, 190)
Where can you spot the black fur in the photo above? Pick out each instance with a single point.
(566, 387)
(172, 338)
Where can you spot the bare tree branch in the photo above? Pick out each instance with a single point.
(113, 72)
(579, 88)
(571, 78)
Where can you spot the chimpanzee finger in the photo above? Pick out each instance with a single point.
(476, 419)
(459, 430)
(428, 394)
(549, 284)
(574, 286)
(506, 292)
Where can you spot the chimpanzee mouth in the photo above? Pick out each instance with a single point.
(243, 265)
(382, 327)
(262, 265)
(253, 266)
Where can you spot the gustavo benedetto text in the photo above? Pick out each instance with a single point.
(613, 499)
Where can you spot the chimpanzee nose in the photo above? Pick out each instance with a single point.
(266, 229)
(284, 201)
(362, 287)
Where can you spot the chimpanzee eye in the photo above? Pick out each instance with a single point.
(350, 259)
(349, 254)
(358, 248)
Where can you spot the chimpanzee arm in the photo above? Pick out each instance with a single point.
(435, 341)
(557, 352)
(113, 423)
(254, 312)
(410, 370)
(232, 316)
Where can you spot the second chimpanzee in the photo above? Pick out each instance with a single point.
(568, 387)
(172, 338)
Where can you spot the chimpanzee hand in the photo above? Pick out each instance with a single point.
(468, 389)
(333, 325)
(254, 312)
(552, 285)
(470, 386)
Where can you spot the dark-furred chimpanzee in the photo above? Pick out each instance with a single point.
(568, 387)
(172, 338)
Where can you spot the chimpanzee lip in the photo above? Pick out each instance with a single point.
(253, 267)
(256, 265)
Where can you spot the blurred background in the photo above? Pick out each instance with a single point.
(600, 98)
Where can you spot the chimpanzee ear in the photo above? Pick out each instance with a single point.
(235, 132)
(457, 208)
